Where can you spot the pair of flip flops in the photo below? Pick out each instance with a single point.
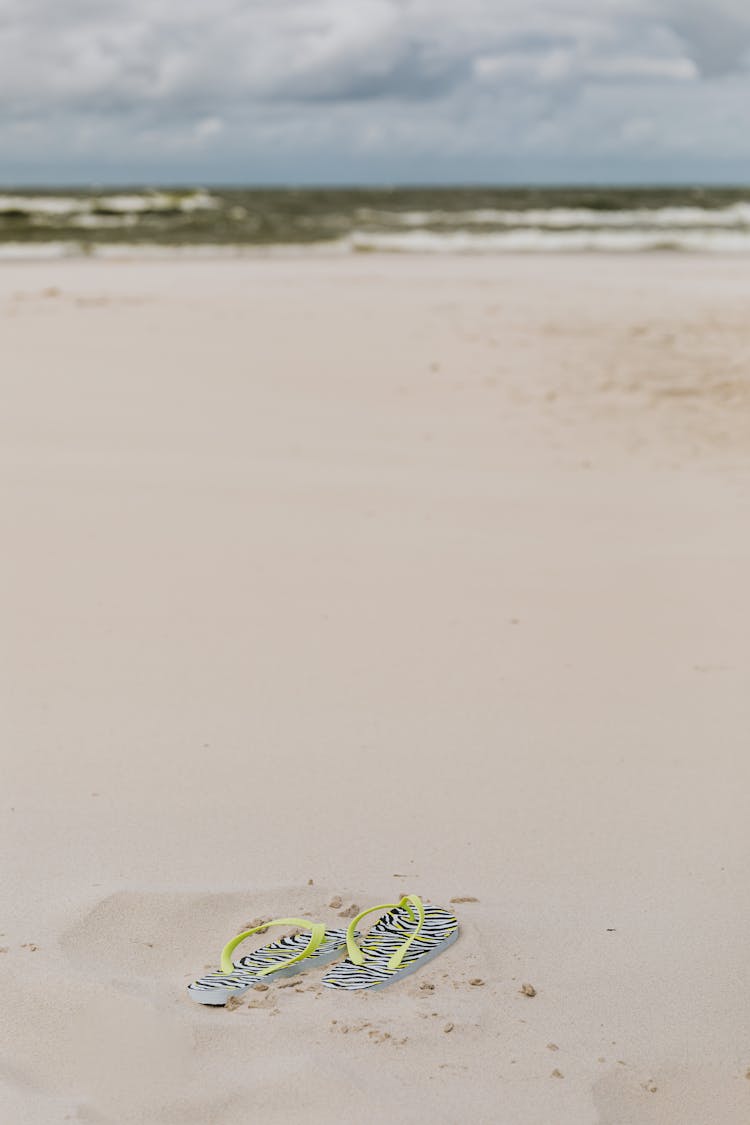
(407, 936)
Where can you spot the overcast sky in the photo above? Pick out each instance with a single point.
(219, 91)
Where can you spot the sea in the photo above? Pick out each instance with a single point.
(138, 221)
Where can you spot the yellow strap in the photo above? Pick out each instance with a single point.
(317, 933)
(355, 953)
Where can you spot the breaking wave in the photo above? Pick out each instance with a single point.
(139, 221)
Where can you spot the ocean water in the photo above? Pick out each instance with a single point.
(468, 220)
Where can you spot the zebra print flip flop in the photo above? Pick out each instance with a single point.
(281, 958)
(406, 938)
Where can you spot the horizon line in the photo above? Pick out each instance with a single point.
(358, 185)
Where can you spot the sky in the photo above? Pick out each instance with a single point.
(374, 91)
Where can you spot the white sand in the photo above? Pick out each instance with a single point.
(401, 574)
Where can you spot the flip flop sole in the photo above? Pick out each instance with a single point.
(215, 989)
(374, 974)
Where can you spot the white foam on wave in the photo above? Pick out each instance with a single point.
(125, 204)
(404, 242)
(530, 240)
(87, 221)
(37, 251)
(736, 216)
(145, 251)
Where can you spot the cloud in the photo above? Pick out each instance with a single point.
(127, 82)
(715, 36)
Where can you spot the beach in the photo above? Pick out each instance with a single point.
(344, 577)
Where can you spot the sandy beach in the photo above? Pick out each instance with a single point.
(362, 576)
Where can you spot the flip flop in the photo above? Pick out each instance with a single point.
(406, 938)
(280, 958)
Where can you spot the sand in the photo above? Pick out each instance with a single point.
(352, 577)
